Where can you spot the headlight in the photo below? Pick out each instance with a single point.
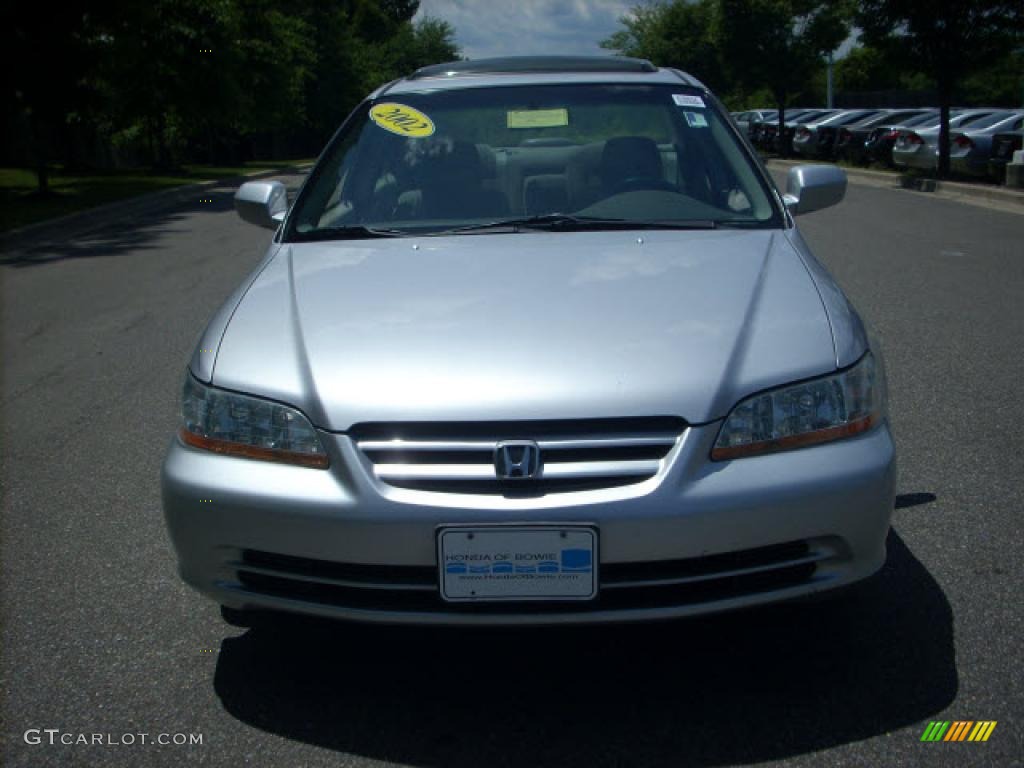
(225, 422)
(835, 406)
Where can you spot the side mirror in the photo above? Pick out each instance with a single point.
(813, 187)
(263, 203)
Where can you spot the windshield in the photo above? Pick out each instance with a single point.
(460, 159)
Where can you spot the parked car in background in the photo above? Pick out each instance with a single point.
(851, 143)
(879, 143)
(816, 137)
(757, 126)
(766, 129)
(746, 120)
(971, 147)
(784, 143)
(603, 379)
(919, 147)
(1003, 147)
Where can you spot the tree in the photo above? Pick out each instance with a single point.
(867, 69)
(201, 79)
(948, 39)
(174, 69)
(675, 34)
(47, 55)
(779, 43)
(435, 42)
(278, 65)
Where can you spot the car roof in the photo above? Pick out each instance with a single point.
(535, 70)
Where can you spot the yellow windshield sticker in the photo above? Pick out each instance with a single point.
(538, 118)
(402, 119)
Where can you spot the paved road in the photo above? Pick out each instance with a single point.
(98, 635)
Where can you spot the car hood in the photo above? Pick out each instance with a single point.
(527, 326)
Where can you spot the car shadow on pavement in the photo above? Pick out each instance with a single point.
(741, 687)
(112, 235)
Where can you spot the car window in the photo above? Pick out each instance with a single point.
(448, 159)
(990, 120)
(848, 118)
(817, 117)
(891, 117)
(976, 120)
(918, 120)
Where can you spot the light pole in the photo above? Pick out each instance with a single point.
(828, 82)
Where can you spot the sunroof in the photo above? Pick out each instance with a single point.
(526, 64)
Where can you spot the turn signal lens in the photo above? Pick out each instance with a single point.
(811, 412)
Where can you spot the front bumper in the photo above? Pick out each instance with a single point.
(699, 537)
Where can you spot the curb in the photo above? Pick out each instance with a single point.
(948, 189)
(101, 215)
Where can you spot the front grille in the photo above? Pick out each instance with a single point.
(624, 586)
(576, 455)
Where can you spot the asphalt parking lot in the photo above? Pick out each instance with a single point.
(99, 636)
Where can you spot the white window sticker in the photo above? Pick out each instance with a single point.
(695, 120)
(686, 100)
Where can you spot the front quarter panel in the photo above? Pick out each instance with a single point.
(848, 333)
(204, 356)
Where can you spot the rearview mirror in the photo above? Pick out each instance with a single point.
(813, 187)
(263, 203)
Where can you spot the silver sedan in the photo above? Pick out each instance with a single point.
(919, 147)
(537, 342)
(971, 148)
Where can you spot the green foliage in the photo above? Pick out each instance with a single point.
(999, 84)
(279, 64)
(751, 52)
(946, 40)
(674, 34)
(866, 69)
(411, 46)
(779, 44)
(184, 79)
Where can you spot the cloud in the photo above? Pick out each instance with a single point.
(484, 28)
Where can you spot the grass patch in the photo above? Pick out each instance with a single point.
(20, 205)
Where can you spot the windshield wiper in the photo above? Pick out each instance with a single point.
(354, 232)
(569, 222)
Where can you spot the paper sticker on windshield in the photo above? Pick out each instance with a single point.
(686, 100)
(695, 120)
(538, 118)
(402, 119)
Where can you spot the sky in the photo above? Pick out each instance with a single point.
(488, 28)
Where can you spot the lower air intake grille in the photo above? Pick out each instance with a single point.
(624, 586)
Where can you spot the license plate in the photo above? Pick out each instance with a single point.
(497, 563)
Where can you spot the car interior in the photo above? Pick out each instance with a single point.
(443, 179)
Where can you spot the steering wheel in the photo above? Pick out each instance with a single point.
(634, 183)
